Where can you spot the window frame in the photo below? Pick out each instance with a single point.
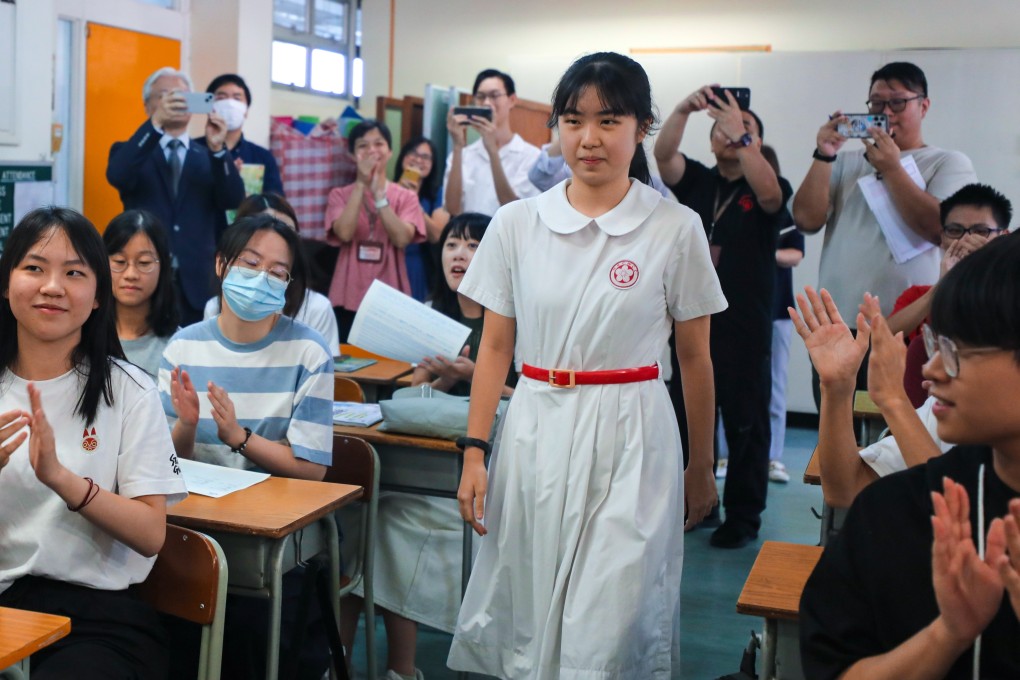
(348, 48)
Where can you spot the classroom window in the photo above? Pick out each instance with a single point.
(312, 47)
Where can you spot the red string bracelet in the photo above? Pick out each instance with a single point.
(92, 492)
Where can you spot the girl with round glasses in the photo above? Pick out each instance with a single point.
(142, 286)
(417, 159)
(252, 387)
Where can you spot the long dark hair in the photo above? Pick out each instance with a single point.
(428, 188)
(163, 317)
(256, 204)
(623, 89)
(236, 237)
(466, 226)
(99, 342)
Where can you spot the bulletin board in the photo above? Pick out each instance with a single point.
(23, 187)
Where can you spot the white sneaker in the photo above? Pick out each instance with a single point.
(778, 473)
(393, 675)
(720, 469)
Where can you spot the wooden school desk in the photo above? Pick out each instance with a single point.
(383, 373)
(869, 417)
(255, 527)
(22, 633)
(772, 591)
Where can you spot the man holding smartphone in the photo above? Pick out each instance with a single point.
(492, 171)
(187, 183)
(740, 202)
(856, 257)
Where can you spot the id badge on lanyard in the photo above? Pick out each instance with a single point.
(715, 250)
(369, 250)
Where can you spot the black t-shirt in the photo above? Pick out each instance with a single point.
(745, 236)
(872, 589)
(789, 237)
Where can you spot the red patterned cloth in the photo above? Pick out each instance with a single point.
(310, 167)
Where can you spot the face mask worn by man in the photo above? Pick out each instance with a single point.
(232, 112)
(253, 295)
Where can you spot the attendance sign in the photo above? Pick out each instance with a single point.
(22, 188)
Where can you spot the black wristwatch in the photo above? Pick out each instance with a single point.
(465, 442)
(240, 447)
(819, 156)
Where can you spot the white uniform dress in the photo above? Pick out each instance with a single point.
(579, 575)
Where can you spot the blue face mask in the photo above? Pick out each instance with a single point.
(252, 294)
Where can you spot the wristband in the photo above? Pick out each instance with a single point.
(465, 442)
(819, 156)
(92, 492)
(240, 447)
(381, 203)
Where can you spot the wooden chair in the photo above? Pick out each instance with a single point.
(346, 389)
(189, 581)
(355, 461)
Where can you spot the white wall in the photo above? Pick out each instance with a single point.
(36, 29)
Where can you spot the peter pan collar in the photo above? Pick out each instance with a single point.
(556, 212)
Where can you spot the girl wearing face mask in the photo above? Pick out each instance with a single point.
(231, 101)
(252, 387)
(142, 286)
(372, 220)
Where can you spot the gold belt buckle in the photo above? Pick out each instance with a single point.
(552, 378)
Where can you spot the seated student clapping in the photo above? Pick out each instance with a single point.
(457, 246)
(252, 387)
(87, 467)
(899, 594)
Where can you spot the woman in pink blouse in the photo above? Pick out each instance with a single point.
(372, 220)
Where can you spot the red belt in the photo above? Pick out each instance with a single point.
(565, 377)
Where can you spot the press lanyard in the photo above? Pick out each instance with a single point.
(718, 210)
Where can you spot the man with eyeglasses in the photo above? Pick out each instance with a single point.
(855, 255)
(492, 171)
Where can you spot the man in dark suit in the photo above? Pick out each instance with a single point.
(188, 183)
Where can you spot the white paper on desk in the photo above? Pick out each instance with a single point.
(398, 326)
(216, 481)
(903, 242)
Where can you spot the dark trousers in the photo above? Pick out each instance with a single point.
(113, 636)
(743, 386)
(344, 321)
(188, 314)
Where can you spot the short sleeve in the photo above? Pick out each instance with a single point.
(408, 209)
(147, 463)
(952, 172)
(885, 457)
(488, 280)
(691, 284)
(310, 433)
(335, 205)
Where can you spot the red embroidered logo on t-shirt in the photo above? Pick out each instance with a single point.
(746, 203)
(624, 274)
(89, 441)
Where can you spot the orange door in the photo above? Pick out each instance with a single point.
(117, 62)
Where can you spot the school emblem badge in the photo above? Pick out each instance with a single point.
(89, 441)
(624, 274)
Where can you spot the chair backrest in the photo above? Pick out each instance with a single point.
(346, 389)
(185, 580)
(354, 462)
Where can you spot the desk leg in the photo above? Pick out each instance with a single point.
(275, 607)
(333, 544)
(768, 650)
(18, 671)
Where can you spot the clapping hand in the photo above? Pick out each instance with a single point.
(12, 434)
(184, 397)
(835, 353)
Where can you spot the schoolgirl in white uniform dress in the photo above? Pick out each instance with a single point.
(579, 573)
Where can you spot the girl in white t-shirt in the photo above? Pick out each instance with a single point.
(87, 467)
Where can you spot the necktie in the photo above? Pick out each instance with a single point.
(175, 163)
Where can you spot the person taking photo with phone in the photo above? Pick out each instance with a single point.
(740, 202)
(856, 257)
(188, 184)
(493, 170)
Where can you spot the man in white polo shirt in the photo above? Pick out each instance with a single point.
(493, 171)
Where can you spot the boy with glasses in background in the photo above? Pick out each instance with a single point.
(492, 171)
(856, 257)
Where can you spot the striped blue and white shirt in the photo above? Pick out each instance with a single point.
(281, 387)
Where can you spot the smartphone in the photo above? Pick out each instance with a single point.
(476, 111)
(410, 175)
(199, 102)
(741, 95)
(857, 124)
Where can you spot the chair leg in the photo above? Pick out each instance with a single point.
(326, 599)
